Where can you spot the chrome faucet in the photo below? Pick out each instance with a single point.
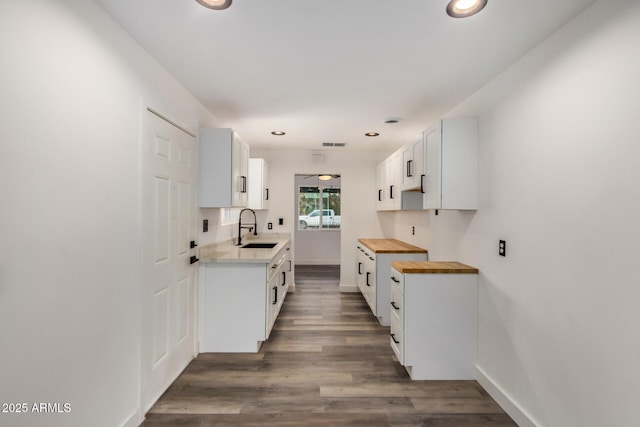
(240, 226)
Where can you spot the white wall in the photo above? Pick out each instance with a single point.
(559, 181)
(358, 192)
(72, 87)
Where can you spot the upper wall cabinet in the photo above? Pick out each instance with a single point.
(413, 164)
(451, 165)
(224, 169)
(438, 170)
(389, 182)
(258, 184)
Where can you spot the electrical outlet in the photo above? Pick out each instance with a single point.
(502, 248)
(205, 225)
(269, 226)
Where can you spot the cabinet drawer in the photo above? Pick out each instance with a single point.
(397, 339)
(397, 280)
(396, 306)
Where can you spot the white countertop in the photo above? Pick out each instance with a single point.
(228, 252)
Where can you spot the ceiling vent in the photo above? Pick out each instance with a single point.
(334, 144)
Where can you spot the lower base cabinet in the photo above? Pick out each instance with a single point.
(434, 320)
(372, 271)
(239, 303)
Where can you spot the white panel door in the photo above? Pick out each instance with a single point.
(168, 278)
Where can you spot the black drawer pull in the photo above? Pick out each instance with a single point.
(394, 279)
(393, 304)
(393, 337)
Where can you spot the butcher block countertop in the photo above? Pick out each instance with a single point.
(391, 246)
(433, 267)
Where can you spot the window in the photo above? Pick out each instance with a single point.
(312, 200)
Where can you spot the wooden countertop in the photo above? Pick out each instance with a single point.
(391, 246)
(433, 267)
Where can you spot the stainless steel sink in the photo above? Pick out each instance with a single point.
(259, 245)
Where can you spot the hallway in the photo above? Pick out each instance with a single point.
(327, 363)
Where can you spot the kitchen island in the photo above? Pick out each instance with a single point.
(241, 292)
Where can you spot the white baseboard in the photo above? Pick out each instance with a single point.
(345, 287)
(134, 420)
(510, 406)
(317, 261)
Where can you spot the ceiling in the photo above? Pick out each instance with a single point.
(332, 70)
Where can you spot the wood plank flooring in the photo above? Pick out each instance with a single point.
(327, 363)
(321, 274)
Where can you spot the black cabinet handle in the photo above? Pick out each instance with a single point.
(368, 274)
(275, 298)
(290, 265)
(422, 177)
(409, 168)
(395, 280)
(359, 268)
(192, 244)
(393, 304)
(391, 191)
(393, 337)
(379, 195)
(284, 278)
(193, 259)
(267, 195)
(244, 184)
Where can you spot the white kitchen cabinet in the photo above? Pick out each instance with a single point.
(259, 184)
(277, 285)
(413, 164)
(450, 180)
(389, 179)
(366, 275)
(438, 170)
(380, 186)
(373, 261)
(434, 319)
(224, 169)
(240, 302)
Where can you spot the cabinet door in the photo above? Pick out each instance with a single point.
(433, 165)
(394, 181)
(413, 164)
(266, 176)
(381, 186)
(240, 159)
(360, 270)
(258, 184)
(274, 293)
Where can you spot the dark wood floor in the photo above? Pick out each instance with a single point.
(327, 363)
(320, 274)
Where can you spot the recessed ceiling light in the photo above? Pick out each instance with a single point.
(324, 177)
(464, 8)
(371, 134)
(278, 133)
(215, 4)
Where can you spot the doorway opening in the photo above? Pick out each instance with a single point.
(317, 234)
